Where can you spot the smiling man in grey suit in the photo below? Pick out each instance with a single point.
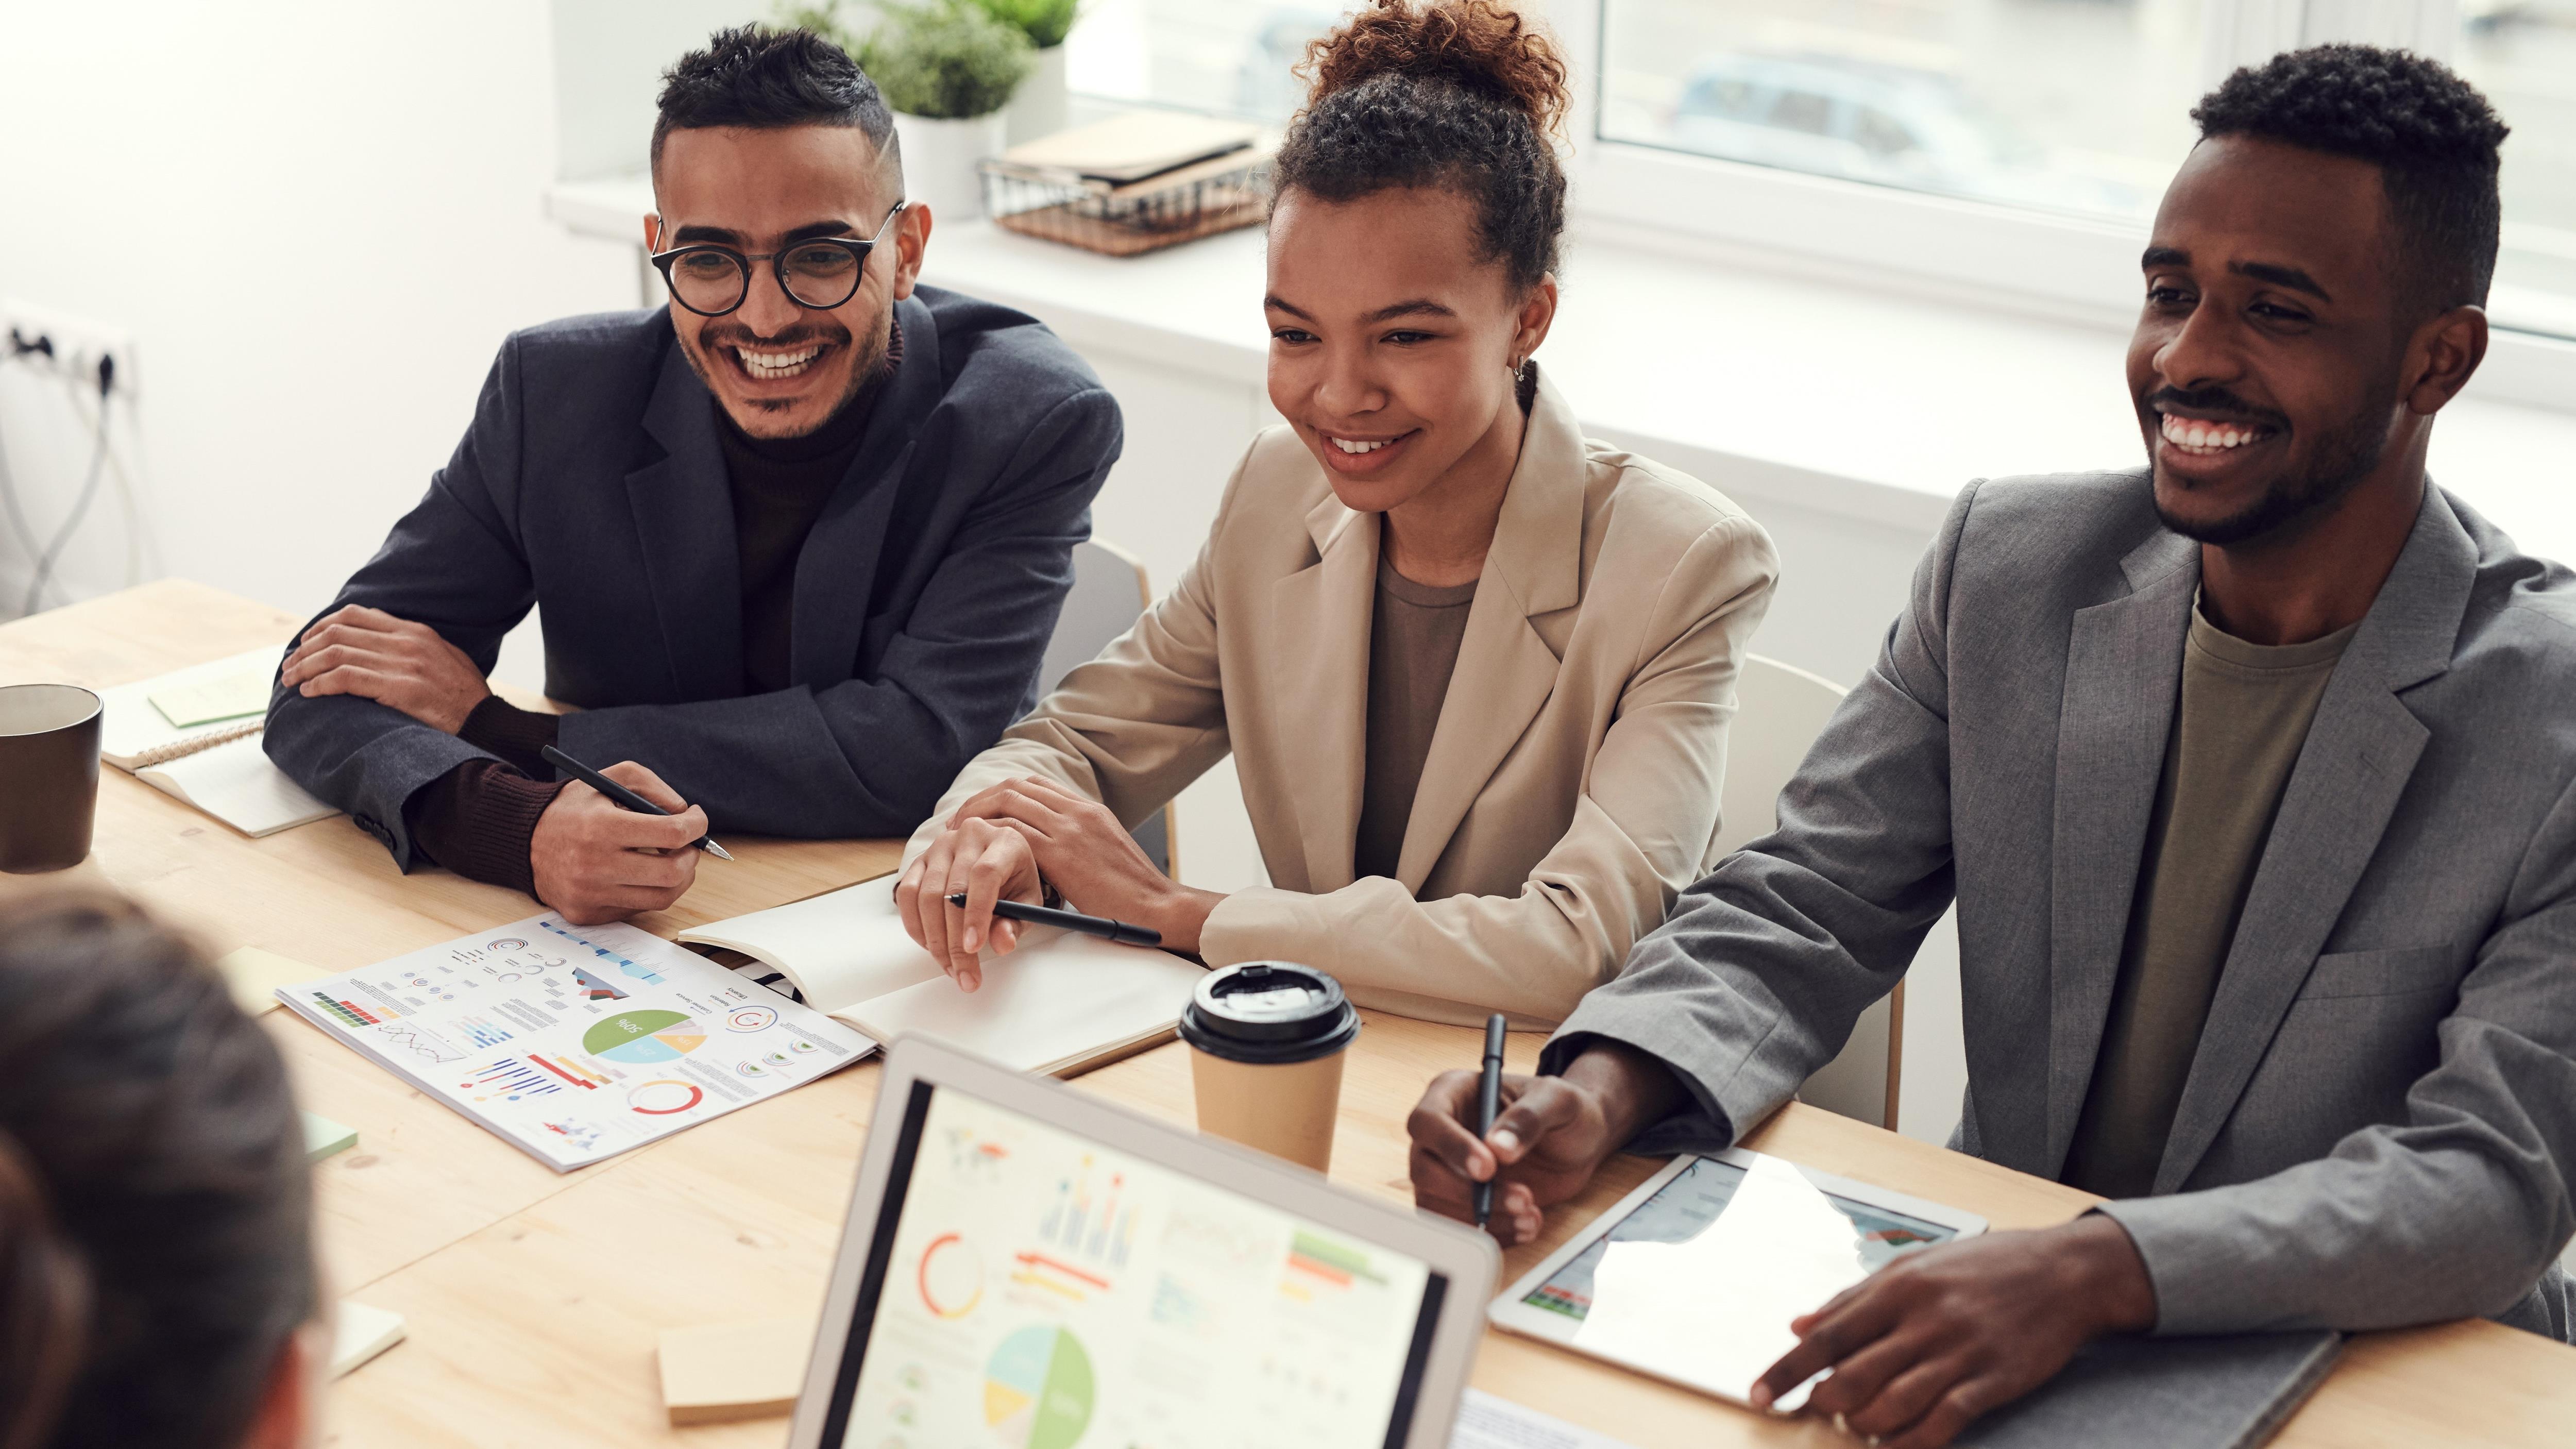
(798, 540)
(2253, 775)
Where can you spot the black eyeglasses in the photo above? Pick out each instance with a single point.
(821, 273)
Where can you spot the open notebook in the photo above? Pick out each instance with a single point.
(1058, 1004)
(194, 734)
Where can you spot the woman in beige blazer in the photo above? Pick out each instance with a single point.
(1445, 839)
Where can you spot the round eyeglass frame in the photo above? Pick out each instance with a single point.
(663, 261)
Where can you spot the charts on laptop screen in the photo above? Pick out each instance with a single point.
(1038, 1291)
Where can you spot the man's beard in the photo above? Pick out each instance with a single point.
(867, 360)
(2345, 455)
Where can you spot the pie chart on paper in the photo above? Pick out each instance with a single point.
(1037, 1389)
(640, 1037)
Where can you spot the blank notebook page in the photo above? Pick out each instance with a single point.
(236, 784)
(1059, 998)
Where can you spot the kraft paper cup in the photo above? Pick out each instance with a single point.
(1266, 1041)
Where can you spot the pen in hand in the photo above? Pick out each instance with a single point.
(621, 797)
(1489, 1100)
(1103, 927)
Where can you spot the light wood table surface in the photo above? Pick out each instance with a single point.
(535, 1298)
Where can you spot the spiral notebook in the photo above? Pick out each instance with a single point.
(193, 734)
(1057, 1005)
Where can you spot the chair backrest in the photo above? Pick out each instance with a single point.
(1780, 710)
(1109, 591)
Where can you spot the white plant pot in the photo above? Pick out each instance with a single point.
(1038, 107)
(939, 159)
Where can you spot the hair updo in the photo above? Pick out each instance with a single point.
(1458, 94)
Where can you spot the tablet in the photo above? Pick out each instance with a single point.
(1027, 1266)
(1694, 1277)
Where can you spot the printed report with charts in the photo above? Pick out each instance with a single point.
(576, 1043)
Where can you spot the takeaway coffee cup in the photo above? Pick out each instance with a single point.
(1266, 1041)
(48, 775)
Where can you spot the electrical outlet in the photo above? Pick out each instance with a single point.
(65, 346)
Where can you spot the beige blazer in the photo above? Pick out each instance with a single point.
(1572, 786)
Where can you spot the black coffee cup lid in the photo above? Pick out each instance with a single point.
(1269, 1012)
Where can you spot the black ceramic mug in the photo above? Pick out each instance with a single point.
(48, 775)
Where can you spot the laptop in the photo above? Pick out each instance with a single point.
(1028, 1266)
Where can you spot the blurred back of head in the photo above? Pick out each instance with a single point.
(155, 1207)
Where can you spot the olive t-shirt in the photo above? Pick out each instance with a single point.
(1414, 632)
(2237, 731)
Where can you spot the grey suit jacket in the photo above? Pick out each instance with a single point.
(591, 487)
(2379, 1123)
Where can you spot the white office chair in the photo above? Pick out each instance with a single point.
(1109, 592)
(1780, 711)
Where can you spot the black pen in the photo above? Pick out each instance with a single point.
(1101, 926)
(1489, 1100)
(621, 797)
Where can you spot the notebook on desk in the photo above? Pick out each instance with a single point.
(1058, 1004)
(2229, 1392)
(194, 734)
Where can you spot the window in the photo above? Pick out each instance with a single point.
(2070, 105)
(1231, 57)
(2523, 55)
(2011, 149)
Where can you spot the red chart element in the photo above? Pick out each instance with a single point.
(664, 1097)
(960, 1278)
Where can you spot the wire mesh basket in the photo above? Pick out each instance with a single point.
(1183, 204)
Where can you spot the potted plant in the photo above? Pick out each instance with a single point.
(1038, 108)
(947, 69)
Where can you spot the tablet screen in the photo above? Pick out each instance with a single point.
(1697, 1197)
(1031, 1289)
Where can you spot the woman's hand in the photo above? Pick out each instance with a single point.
(1090, 858)
(987, 862)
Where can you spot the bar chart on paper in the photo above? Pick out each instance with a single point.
(575, 1043)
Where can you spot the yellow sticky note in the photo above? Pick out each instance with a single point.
(234, 696)
(718, 1372)
(254, 976)
(361, 1333)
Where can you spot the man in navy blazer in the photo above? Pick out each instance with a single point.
(797, 540)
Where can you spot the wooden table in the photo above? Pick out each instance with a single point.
(535, 1299)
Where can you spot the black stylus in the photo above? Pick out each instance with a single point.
(621, 797)
(1101, 926)
(1489, 1100)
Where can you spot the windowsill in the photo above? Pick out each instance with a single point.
(1875, 406)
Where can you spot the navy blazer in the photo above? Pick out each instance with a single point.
(591, 487)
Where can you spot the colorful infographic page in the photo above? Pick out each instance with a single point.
(1045, 1293)
(577, 1042)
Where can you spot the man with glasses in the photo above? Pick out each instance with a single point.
(797, 540)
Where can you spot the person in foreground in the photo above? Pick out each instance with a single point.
(798, 539)
(2253, 775)
(157, 1277)
(1475, 671)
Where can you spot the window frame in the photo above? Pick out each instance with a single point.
(1918, 238)
(2062, 265)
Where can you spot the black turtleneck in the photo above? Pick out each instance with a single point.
(478, 818)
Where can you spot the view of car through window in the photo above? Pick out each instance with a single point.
(2062, 105)
(2071, 107)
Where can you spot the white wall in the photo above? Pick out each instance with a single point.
(317, 223)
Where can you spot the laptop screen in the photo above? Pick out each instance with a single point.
(1031, 1289)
